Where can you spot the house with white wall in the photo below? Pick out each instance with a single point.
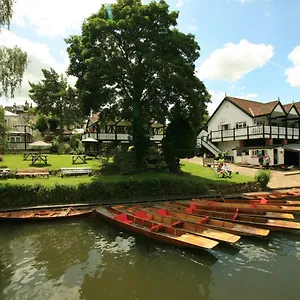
(243, 128)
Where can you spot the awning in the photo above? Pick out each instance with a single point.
(292, 147)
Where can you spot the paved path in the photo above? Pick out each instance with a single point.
(279, 179)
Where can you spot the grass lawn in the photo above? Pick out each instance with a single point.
(15, 161)
(193, 172)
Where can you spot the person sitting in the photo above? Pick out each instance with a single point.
(226, 170)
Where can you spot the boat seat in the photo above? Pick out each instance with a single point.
(236, 214)
(254, 203)
(123, 218)
(163, 213)
(174, 224)
(203, 220)
(193, 205)
(293, 193)
(142, 215)
(263, 200)
(189, 211)
(157, 228)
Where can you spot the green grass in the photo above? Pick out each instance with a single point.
(55, 162)
(192, 172)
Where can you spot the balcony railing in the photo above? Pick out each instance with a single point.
(254, 132)
(118, 136)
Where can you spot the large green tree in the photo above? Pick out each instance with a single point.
(3, 132)
(13, 61)
(132, 62)
(54, 96)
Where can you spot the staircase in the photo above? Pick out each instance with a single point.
(203, 141)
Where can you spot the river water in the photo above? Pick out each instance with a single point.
(90, 259)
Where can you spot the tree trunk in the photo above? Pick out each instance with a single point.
(140, 136)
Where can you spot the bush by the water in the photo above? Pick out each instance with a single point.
(263, 177)
(96, 192)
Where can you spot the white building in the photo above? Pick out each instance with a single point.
(242, 128)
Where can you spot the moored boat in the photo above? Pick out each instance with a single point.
(232, 210)
(270, 224)
(157, 231)
(260, 200)
(210, 222)
(44, 214)
(249, 207)
(161, 216)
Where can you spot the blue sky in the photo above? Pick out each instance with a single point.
(249, 48)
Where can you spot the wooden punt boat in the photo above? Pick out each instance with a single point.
(179, 212)
(156, 231)
(210, 222)
(161, 216)
(260, 200)
(270, 224)
(232, 210)
(44, 214)
(291, 194)
(248, 207)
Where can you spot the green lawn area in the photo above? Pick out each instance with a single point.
(15, 161)
(193, 172)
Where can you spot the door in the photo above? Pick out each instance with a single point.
(275, 156)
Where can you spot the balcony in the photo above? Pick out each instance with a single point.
(119, 136)
(254, 132)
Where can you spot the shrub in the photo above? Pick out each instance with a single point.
(125, 161)
(263, 177)
(155, 160)
(1, 158)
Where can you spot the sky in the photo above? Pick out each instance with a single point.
(249, 48)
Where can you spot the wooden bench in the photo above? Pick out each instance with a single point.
(32, 172)
(4, 173)
(75, 171)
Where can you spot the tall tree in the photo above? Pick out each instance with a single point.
(133, 61)
(3, 132)
(54, 96)
(13, 61)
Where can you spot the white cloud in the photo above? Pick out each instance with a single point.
(55, 17)
(179, 3)
(39, 58)
(233, 61)
(244, 1)
(293, 73)
(193, 27)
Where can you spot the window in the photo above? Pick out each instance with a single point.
(260, 123)
(256, 152)
(238, 152)
(239, 125)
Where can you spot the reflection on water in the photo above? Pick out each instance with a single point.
(89, 259)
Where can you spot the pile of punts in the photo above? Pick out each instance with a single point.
(195, 223)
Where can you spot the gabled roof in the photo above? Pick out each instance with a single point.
(254, 108)
(9, 114)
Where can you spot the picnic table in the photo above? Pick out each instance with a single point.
(28, 154)
(81, 157)
(39, 158)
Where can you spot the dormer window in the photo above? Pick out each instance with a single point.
(239, 125)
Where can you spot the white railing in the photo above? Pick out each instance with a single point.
(253, 132)
(113, 136)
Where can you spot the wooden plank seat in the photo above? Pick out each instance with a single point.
(32, 172)
(75, 171)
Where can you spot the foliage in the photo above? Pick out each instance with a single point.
(135, 65)
(41, 123)
(3, 132)
(155, 160)
(179, 142)
(53, 123)
(6, 12)
(53, 96)
(263, 177)
(79, 149)
(126, 188)
(1, 157)
(36, 135)
(13, 62)
(124, 161)
(55, 145)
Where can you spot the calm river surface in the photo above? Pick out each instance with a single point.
(90, 259)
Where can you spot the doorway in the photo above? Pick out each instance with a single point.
(275, 156)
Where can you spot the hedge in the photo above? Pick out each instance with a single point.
(13, 196)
